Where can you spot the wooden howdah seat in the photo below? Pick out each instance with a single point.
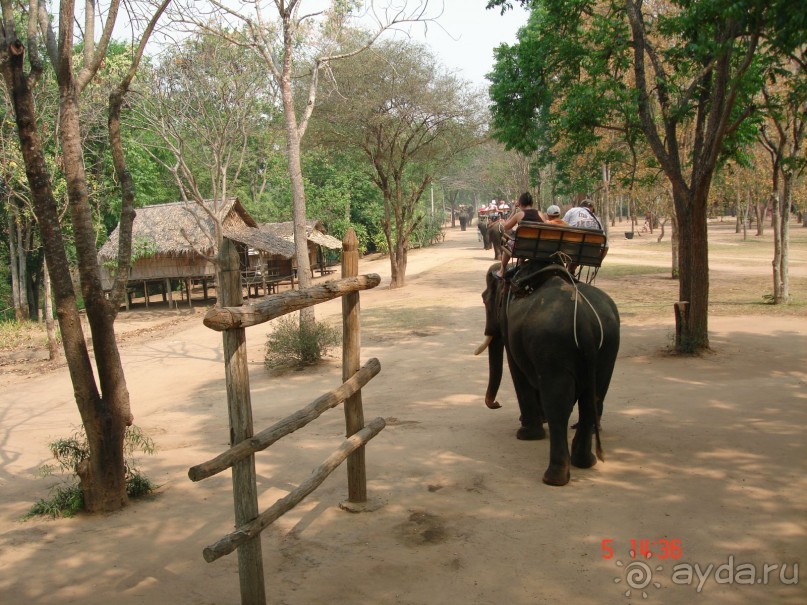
(548, 243)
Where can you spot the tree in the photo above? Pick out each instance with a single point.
(292, 46)
(409, 120)
(684, 68)
(104, 405)
(785, 95)
(200, 114)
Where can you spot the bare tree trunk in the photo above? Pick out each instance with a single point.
(777, 242)
(22, 272)
(787, 200)
(102, 475)
(676, 245)
(106, 413)
(50, 327)
(606, 197)
(15, 275)
(693, 269)
(297, 189)
(661, 230)
(759, 213)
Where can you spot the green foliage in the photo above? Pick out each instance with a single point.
(292, 344)
(66, 499)
(340, 193)
(567, 90)
(428, 231)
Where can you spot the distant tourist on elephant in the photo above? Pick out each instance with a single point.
(553, 216)
(523, 212)
(583, 216)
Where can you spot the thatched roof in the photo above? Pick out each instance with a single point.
(184, 228)
(314, 233)
(255, 238)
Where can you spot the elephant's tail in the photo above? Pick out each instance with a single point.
(598, 443)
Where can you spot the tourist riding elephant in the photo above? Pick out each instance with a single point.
(562, 339)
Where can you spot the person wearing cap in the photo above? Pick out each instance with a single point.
(553, 216)
(523, 212)
(583, 216)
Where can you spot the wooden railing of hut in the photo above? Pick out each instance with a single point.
(232, 318)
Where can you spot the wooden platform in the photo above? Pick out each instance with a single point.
(558, 243)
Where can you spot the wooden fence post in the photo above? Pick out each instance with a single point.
(351, 352)
(245, 492)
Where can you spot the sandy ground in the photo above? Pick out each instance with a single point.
(706, 453)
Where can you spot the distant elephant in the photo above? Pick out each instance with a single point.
(463, 220)
(496, 237)
(562, 339)
(482, 225)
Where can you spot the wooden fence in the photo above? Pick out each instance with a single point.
(232, 318)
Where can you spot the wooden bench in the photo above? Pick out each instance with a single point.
(561, 244)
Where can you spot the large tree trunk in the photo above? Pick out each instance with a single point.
(297, 186)
(692, 335)
(104, 417)
(102, 477)
(398, 265)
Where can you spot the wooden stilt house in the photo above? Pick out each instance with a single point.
(176, 243)
(319, 243)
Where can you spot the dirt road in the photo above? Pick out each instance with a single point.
(705, 454)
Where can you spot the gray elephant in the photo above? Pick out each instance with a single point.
(463, 216)
(491, 232)
(482, 226)
(496, 237)
(562, 339)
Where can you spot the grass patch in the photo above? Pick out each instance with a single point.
(22, 335)
(615, 271)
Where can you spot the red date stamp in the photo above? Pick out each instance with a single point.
(662, 548)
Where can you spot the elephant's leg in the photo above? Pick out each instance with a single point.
(529, 405)
(582, 457)
(589, 416)
(558, 407)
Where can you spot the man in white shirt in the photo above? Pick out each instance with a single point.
(583, 216)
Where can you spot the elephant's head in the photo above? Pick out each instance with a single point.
(494, 339)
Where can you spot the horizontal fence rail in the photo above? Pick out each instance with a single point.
(227, 318)
(286, 426)
(250, 530)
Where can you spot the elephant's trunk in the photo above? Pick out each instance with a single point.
(495, 367)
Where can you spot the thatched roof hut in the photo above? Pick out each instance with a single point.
(177, 240)
(315, 233)
(316, 236)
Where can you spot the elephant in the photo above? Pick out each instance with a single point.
(491, 235)
(482, 226)
(562, 340)
(463, 216)
(495, 235)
